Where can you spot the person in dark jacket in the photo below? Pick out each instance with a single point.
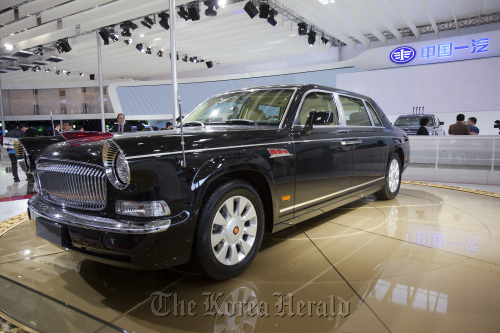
(122, 126)
(14, 132)
(424, 122)
(459, 128)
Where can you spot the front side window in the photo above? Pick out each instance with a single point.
(354, 111)
(318, 101)
(264, 107)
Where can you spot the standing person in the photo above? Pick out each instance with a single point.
(57, 129)
(459, 128)
(472, 124)
(424, 122)
(14, 132)
(121, 126)
(67, 126)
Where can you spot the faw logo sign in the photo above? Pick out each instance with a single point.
(402, 55)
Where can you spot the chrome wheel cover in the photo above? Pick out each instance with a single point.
(234, 230)
(394, 176)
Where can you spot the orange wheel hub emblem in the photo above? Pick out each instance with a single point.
(236, 230)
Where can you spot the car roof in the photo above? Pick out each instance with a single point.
(305, 87)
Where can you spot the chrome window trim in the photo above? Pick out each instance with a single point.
(343, 112)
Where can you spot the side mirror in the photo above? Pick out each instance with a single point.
(441, 123)
(317, 118)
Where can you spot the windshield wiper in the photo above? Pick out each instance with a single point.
(242, 122)
(193, 123)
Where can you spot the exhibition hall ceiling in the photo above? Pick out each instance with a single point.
(231, 37)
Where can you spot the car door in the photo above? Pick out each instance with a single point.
(323, 162)
(370, 150)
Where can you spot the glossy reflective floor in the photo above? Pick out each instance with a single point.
(428, 261)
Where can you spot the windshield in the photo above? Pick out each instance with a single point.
(412, 121)
(251, 107)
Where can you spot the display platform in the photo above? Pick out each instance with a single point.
(428, 260)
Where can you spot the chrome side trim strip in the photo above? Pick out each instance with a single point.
(210, 149)
(270, 144)
(38, 208)
(329, 195)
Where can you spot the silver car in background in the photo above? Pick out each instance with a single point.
(410, 123)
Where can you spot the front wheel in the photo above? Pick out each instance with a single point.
(392, 179)
(230, 230)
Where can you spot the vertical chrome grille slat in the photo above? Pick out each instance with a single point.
(72, 184)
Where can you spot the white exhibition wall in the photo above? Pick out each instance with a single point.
(470, 87)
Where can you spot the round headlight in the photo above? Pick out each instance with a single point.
(115, 165)
(121, 168)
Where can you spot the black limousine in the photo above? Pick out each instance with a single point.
(253, 161)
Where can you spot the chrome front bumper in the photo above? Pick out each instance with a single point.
(39, 209)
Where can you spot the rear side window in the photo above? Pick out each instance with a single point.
(354, 111)
(375, 118)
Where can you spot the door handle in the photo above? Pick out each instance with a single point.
(351, 142)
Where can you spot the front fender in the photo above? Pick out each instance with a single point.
(252, 168)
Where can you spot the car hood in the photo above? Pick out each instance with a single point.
(165, 142)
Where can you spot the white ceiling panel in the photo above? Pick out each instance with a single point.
(230, 38)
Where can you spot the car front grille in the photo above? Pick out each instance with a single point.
(72, 184)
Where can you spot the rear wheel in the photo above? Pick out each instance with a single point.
(392, 179)
(230, 230)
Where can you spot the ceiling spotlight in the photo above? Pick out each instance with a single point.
(177, 55)
(82, 74)
(311, 39)
(113, 35)
(149, 50)
(302, 29)
(104, 33)
(271, 19)
(324, 40)
(39, 50)
(209, 64)
(8, 46)
(183, 13)
(64, 71)
(126, 32)
(47, 70)
(160, 53)
(36, 69)
(164, 20)
(264, 10)
(149, 20)
(210, 11)
(185, 58)
(58, 72)
(251, 9)
(62, 45)
(194, 13)
(193, 59)
(68, 73)
(128, 41)
(25, 68)
(140, 47)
